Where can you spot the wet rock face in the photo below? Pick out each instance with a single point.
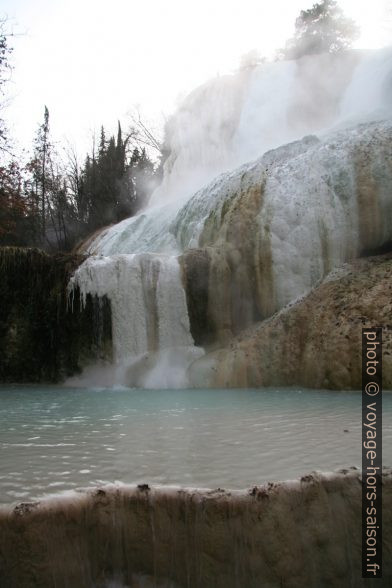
(43, 335)
(228, 283)
(262, 236)
(196, 277)
(252, 241)
(315, 342)
(295, 534)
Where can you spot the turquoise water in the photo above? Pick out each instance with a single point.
(55, 439)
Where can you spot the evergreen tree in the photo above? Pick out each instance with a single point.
(47, 193)
(111, 185)
(120, 153)
(142, 173)
(39, 168)
(46, 207)
(108, 173)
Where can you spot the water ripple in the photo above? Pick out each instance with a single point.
(226, 438)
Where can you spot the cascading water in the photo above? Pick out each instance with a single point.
(149, 316)
(226, 123)
(277, 534)
(261, 110)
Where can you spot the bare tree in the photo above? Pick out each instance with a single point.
(141, 133)
(5, 74)
(73, 173)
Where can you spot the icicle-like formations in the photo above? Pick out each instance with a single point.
(151, 336)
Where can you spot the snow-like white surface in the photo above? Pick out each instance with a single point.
(310, 203)
(309, 216)
(235, 119)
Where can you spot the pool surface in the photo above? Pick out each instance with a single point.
(55, 439)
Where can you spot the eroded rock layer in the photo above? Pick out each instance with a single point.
(267, 233)
(314, 342)
(292, 534)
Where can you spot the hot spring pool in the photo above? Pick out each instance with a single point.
(55, 439)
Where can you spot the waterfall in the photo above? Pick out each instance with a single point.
(278, 534)
(235, 119)
(152, 343)
(309, 191)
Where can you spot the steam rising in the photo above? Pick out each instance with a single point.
(221, 125)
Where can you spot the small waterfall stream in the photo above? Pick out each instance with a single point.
(299, 533)
(149, 316)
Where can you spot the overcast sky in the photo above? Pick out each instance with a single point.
(92, 61)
